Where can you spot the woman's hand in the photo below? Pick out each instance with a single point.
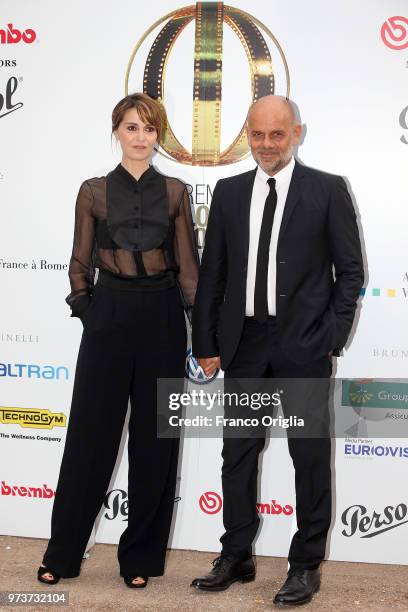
(209, 364)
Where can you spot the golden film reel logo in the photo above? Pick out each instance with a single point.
(32, 417)
(209, 18)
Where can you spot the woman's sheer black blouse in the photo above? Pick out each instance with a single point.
(132, 228)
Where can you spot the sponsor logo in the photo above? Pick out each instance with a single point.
(43, 492)
(117, 504)
(194, 372)
(266, 67)
(394, 33)
(358, 521)
(390, 292)
(6, 99)
(274, 508)
(30, 370)
(210, 502)
(13, 36)
(396, 415)
(387, 292)
(43, 264)
(32, 417)
(23, 437)
(403, 121)
(201, 197)
(374, 394)
(369, 450)
(390, 353)
(8, 63)
(11, 338)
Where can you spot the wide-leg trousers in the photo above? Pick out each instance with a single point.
(259, 356)
(130, 339)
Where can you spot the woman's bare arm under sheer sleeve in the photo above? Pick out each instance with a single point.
(81, 269)
(186, 252)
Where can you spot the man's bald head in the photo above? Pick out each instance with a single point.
(278, 105)
(272, 132)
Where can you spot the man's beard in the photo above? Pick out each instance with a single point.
(275, 164)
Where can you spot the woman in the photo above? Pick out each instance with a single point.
(135, 225)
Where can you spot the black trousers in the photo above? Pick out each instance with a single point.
(130, 339)
(259, 356)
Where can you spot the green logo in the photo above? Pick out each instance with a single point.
(372, 394)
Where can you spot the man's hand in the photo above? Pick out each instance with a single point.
(209, 364)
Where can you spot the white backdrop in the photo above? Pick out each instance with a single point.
(348, 78)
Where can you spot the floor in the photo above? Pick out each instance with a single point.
(345, 586)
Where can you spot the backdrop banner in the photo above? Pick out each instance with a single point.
(63, 67)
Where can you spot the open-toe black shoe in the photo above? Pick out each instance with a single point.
(46, 570)
(129, 582)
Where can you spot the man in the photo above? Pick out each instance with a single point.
(267, 305)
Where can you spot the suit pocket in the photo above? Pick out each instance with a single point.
(94, 300)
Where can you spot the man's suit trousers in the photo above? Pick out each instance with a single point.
(259, 356)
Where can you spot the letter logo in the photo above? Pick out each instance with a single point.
(274, 508)
(116, 501)
(37, 418)
(216, 25)
(12, 35)
(23, 491)
(6, 102)
(357, 520)
(404, 124)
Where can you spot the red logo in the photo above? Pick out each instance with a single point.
(394, 33)
(14, 491)
(13, 36)
(273, 508)
(210, 502)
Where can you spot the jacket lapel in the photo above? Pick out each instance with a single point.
(245, 195)
(292, 197)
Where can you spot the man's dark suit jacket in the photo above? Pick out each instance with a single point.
(314, 308)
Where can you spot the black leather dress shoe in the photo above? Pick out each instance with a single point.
(299, 588)
(227, 569)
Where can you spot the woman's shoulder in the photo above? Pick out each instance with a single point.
(93, 187)
(174, 184)
(92, 190)
(95, 181)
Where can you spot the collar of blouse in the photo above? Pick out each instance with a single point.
(137, 210)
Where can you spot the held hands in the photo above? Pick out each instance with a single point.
(209, 364)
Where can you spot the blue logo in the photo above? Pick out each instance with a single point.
(194, 371)
(30, 370)
(369, 450)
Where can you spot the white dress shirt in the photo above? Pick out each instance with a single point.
(260, 192)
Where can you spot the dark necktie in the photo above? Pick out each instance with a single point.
(262, 261)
